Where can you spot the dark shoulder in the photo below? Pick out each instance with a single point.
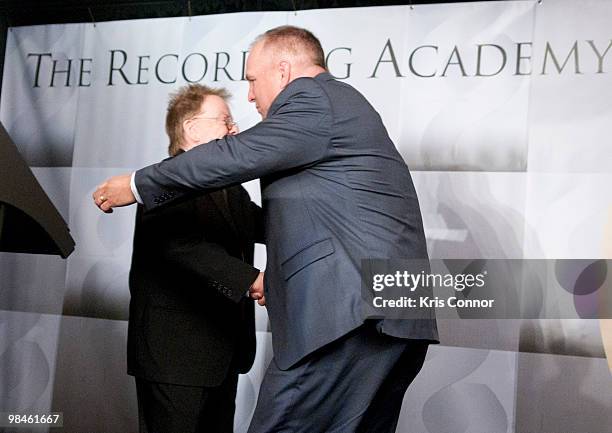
(167, 214)
(304, 91)
(306, 86)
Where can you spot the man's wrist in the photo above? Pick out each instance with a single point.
(134, 189)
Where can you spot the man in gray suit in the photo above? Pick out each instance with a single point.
(335, 191)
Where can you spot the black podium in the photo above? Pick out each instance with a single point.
(29, 222)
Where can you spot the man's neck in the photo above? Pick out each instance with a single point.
(309, 71)
(189, 145)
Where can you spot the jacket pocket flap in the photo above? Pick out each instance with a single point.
(305, 257)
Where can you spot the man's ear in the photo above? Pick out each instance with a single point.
(190, 131)
(285, 71)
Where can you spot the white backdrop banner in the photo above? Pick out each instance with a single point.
(453, 83)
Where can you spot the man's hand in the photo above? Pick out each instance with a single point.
(115, 192)
(256, 291)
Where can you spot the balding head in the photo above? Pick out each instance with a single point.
(289, 42)
(278, 57)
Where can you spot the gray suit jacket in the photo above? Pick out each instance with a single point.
(335, 191)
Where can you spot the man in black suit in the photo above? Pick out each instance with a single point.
(191, 327)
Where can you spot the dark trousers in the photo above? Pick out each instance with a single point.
(167, 408)
(355, 384)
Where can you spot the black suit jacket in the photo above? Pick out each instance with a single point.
(191, 267)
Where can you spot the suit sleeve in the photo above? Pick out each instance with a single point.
(296, 134)
(159, 243)
(209, 262)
